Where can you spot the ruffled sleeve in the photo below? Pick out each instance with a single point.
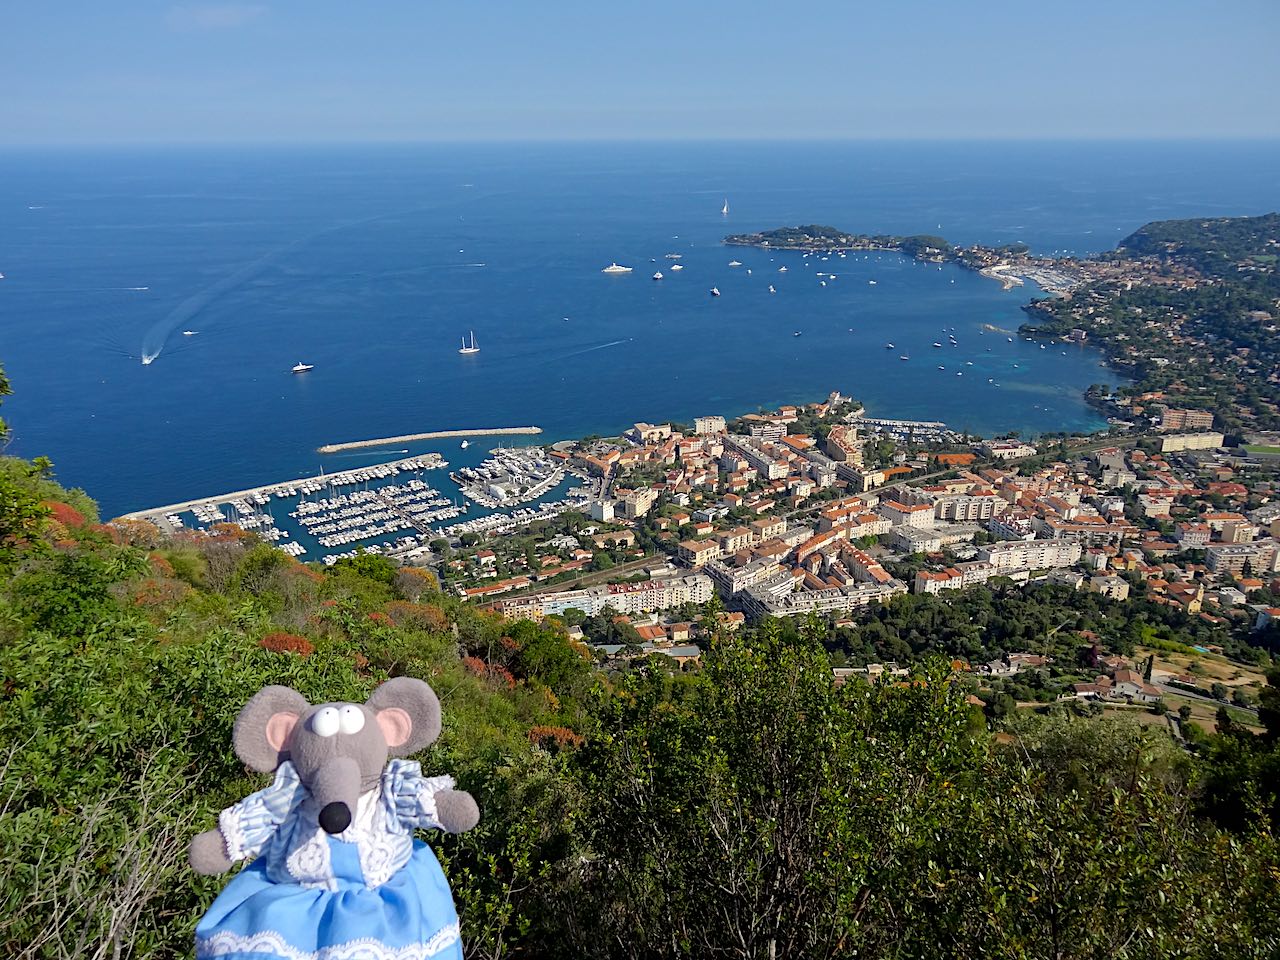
(250, 824)
(413, 796)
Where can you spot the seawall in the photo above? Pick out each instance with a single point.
(430, 435)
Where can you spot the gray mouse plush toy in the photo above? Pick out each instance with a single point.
(338, 874)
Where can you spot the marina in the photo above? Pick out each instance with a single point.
(387, 508)
(366, 506)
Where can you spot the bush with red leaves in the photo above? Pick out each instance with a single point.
(287, 643)
(557, 737)
(64, 513)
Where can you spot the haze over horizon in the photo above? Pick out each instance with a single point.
(163, 72)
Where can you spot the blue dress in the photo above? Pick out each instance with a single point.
(372, 892)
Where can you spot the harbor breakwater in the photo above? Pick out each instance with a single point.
(431, 435)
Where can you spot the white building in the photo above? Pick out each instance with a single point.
(1030, 554)
(705, 425)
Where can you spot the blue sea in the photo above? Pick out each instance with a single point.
(373, 262)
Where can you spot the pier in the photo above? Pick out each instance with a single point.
(430, 435)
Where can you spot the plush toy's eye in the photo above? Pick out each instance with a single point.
(352, 720)
(325, 722)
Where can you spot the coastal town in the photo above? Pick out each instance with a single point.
(819, 510)
(647, 542)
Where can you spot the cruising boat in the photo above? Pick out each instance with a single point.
(658, 275)
(771, 290)
(189, 333)
(782, 269)
(735, 263)
(715, 291)
(470, 349)
(616, 268)
(888, 346)
(904, 357)
(936, 343)
(301, 367)
(797, 333)
(724, 211)
(465, 444)
(676, 266)
(871, 283)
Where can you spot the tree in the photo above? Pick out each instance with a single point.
(1184, 712)
(758, 811)
(1218, 691)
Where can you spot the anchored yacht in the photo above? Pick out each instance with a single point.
(472, 348)
(616, 268)
(301, 367)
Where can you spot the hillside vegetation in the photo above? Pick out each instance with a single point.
(750, 809)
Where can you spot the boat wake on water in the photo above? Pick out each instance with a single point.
(601, 346)
(153, 341)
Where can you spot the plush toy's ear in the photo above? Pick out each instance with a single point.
(261, 733)
(408, 712)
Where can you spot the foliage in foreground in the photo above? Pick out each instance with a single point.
(751, 810)
(763, 812)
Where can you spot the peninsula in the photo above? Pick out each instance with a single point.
(1185, 309)
(1010, 264)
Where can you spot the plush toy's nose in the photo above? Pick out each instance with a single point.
(335, 788)
(335, 817)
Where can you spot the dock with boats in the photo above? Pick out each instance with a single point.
(509, 475)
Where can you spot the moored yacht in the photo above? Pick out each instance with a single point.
(658, 275)
(616, 268)
(472, 348)
(676, 266)
(715, 291)
(301, 367)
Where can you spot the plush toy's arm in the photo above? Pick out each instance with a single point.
(456, 810)
(432, 803)
(208, 853)
(245, 829)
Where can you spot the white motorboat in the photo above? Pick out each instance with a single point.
(616, 268)
(301, 367)
(735, 263)
(715, 291)
(658, 275)
(676, 266)
(189, 333)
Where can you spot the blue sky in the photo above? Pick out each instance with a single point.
(89, 71)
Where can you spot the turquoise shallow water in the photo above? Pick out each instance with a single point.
(371, 263)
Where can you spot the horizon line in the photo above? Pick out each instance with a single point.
(13, 146)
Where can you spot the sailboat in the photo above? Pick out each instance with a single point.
(470, 349)
(724, 211)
